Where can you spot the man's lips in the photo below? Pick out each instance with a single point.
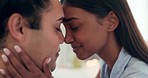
(58, 52)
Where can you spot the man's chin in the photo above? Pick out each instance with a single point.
(52, 68)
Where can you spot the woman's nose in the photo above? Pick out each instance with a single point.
(68, 38)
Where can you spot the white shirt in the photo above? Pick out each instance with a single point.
(126, 66)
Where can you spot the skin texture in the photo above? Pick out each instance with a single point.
(48, 38)
(89, 35)
(38, 44)
(95, 32)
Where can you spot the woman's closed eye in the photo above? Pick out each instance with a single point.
(75, 28)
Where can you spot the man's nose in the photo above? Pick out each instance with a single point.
(61, 38)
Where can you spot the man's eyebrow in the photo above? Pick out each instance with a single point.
(69, 19)
(61, 19)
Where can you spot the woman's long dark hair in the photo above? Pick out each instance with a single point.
(127, 33)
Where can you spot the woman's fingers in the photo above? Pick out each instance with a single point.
(9, 66)
(14, 61)
(27, 61)
(4, 74)
(26, 70)
(46, 69)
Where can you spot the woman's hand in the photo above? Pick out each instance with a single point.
(15, 69)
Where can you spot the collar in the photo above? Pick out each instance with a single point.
(119, 65)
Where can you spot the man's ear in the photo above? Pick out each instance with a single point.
(15, 26)
(113, 21)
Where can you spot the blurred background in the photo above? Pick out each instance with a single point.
(69, 66)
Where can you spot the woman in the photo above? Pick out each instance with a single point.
(107, 28)
(111, 32)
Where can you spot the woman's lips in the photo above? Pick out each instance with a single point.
(76, 48)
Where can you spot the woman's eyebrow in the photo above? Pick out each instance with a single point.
(69, 19)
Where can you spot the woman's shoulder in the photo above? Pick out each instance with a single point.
(137, 64)
(136, 69)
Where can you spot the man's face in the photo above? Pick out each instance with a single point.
(44, 42)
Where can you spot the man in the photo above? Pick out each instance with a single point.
(35, 26)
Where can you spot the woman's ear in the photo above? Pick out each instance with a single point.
(15, 26)
(112, 20)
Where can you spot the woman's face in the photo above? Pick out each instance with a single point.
(84, 31)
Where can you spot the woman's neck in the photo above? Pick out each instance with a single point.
(110, 57)
(110, 52)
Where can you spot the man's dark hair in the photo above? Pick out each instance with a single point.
(30, 10)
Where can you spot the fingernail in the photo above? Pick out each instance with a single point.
(17, 48)
(4, 58)
(48, 60)
(2, 71)
(6, 51)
